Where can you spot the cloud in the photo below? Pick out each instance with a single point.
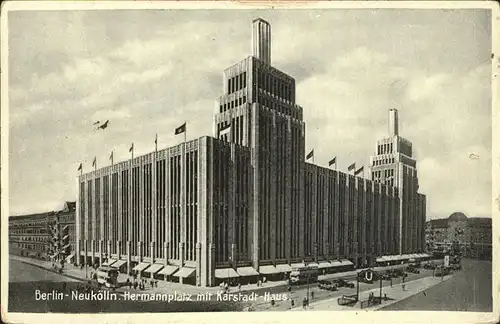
(149, 71)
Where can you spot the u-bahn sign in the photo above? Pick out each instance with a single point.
(368, 275)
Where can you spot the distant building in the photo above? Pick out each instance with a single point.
(28, 235)
(62, 232)
(472, 236)
(34, 235)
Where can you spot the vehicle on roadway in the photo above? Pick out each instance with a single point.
(441, 271)
(343, 283)
(412, 269)
(430, 265)
(303, 275)
(108, 276)
(327, 285)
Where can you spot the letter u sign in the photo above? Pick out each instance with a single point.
(369, 276)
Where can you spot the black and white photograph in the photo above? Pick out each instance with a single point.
(234, 157)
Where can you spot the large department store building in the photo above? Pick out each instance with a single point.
(243, 203)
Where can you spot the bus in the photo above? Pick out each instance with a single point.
(107, 276)
(302, 275)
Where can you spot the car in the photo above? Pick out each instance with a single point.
(343, 283)
(397, 273)
(327, 285)
(412, 270)
(441, 271)
(430, 266)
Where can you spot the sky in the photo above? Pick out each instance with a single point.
(147, 71)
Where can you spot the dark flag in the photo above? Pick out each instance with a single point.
(131, 148)
(156, 139)
(351, 167)
(111, 157)
(80, 167)
(181, 129)
(359, 171)
(103, 126)
(95, 162)
(332, 161)
(224, 130)
(310, 155)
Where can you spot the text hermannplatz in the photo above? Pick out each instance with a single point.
(244, 202)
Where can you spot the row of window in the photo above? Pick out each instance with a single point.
(28, 231)
(37, 247)
(383, 161)
(274, 85)
(284, 109)
(388, 176)
(237, 82)
(385, 149)
(233, 104)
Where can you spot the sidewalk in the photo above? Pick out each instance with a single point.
(394, 294)
(168, 287)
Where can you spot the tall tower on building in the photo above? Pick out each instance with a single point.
(394, 164)
(258, 110)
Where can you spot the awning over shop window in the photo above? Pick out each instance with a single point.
(141, 266)
(336, 263)
(168, 270)
(226, 273)
(154, 268)
(284, 268)
(118, 263)
(312, 264)
(185, 272)
(346, 262)
(324, 264)
(297, 265)
(268, 269)
(247, 272)
(69, 257)
(109, 262)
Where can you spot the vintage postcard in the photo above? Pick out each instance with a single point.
(257, 162)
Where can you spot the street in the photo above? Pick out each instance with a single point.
(469, 290)
(25, 279)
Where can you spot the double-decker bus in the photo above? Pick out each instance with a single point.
(302, 275)
(107, 276)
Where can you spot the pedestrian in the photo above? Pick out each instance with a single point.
(156, 283)
(239, 286)
(304, 303)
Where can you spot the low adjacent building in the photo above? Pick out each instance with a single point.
(48, 235)
(470, 236)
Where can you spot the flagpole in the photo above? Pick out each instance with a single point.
(185, 130)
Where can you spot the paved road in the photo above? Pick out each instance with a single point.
(21, 272)
(26, 279)
(468, 290)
